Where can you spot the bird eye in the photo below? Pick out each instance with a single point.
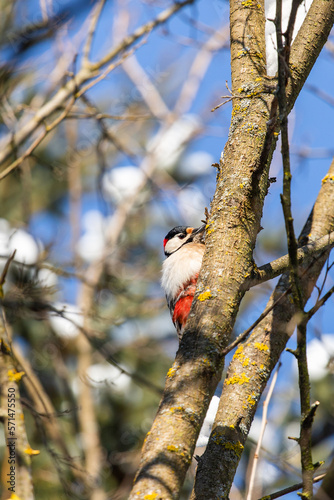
(181, 236)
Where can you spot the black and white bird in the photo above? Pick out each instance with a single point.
(184, 249)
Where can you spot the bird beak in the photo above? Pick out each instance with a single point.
(199, 230)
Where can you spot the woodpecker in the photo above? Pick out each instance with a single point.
(184, 249)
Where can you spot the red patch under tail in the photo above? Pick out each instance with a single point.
(183, 305)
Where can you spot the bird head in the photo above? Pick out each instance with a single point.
(180, 236)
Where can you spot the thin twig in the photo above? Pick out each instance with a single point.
(110, 68)
(291, 25)
(319, 304)
(263, 427)
(42, 406)
(266, 90)
(307, 413)
(104, 348)
(328, 268)
(78, 115)
(5, 269)
(199, 68)
(107, 133)
(94, 20)
(289, 489)
(38, 140)
(283, 61)
(147, 89)
(49, 128)
(228, 99)
(139, 33)
(321, 94)
(245, 334)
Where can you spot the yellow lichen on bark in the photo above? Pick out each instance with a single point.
(328, 178)
(205, 296)
(237, 379)
(29, 451)
(261, 347)
(236, 447)
(14, 375)
(171, 372)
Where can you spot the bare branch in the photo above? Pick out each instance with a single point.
(87, 72)
(327, 487)
(319, 304)
(199, 67)
(263, 428)
(283, 64)
(5, 269)
(289, 489)
(280, 265)
(307, 413)
(240, 338)
(105, 350)
(139, 33)
(38, 140)
(91, 32)
(42, 406)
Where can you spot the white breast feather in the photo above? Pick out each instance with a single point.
(180, 267)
